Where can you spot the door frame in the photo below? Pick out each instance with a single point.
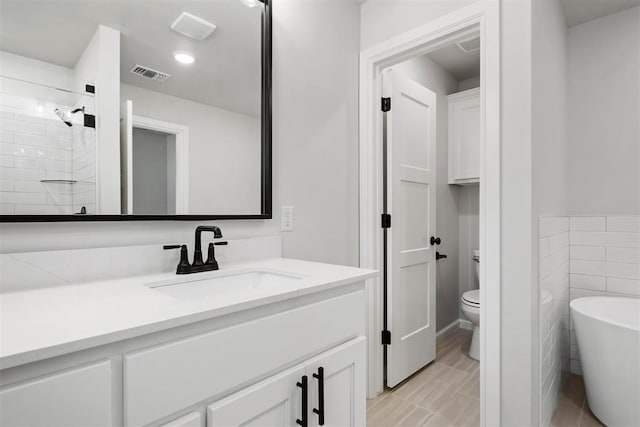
(182, 156)
(485, 16)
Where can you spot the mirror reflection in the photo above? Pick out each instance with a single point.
(132, 107)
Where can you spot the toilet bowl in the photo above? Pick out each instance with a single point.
(470, 306)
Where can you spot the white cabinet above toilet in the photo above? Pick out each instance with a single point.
(464, 137)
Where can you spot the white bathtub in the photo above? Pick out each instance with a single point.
(608, 334)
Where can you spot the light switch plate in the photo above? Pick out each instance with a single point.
(286, 218)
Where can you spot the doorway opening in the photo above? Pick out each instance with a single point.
(456, 28)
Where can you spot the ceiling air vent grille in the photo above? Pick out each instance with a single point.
(149, 73)
(470, 45)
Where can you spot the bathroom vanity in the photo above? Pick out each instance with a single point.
(267, 342)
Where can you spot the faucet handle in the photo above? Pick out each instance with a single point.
(183, 265)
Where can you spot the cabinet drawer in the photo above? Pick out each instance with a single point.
(164, 379)
(79, 397)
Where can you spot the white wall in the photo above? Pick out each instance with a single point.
(224, 150)
(100, 63)
(431, 75)
(315, 84)
(384, 19)
(604, 111)
(549, 175)
(518, 294)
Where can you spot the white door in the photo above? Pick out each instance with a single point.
(274, 402)
(126, 157)
(337, 385)
(411, 198)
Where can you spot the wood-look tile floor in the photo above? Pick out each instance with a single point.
(572, 410)
(445, 393)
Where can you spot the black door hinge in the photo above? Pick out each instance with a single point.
(386, 337)
(89, 121)
(386, 104)
(386, 221)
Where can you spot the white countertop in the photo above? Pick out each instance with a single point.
(41, 323)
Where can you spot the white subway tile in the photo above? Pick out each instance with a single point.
(6, 112)
(60, 132)
(591, 268)
(23, 126)
(623, 270)
(6, 136)
(587, 253)
(580, 293)
(21, 150)
(554, 263)
(88, 173)
(553, 225)
(29, 186)
(6, 185)
(28, 163)
(558, 241)
(21, 174)
(595, 283)
(59, 175)
(56, 154)
(7, 209)
(628, 255)
(6, 161)
(543, 248)
(37, 140)
(22, 198)
(623, 223)
(59, 199)
(575, 367)
(616, 239)
(30, 209)
(623, 286)
(588, 223)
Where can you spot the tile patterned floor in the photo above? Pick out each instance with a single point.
(572, 410)
(445, 393)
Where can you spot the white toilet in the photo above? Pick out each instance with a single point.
(470, 305)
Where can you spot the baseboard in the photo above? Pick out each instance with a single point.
(466, 324)
(448, 330)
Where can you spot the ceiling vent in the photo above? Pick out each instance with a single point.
(470, 45)
(149, 73)
(192, 26)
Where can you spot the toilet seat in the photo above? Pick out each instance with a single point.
(471, 298)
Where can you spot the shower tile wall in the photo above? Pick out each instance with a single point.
(84, 167)
(36, 146)
(554, 310)
(604, 260)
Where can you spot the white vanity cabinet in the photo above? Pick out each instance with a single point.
(74, 397)
(327, 390)
(464, 137)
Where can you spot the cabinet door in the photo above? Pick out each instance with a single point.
(464, 137)
(343, 369)
(76, 397)
(274, 402)
(190, 420)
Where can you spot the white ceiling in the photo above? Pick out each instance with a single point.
(226, 73)
(459, 64)
(577, 12)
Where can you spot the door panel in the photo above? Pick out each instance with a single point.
(411, 144)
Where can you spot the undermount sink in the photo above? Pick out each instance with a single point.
(194, 287)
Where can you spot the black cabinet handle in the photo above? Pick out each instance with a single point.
(435, 241)
(304, 386)
(320, 410)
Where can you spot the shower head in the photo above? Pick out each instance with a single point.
(66, 116)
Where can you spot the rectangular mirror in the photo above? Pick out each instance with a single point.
(135, 110)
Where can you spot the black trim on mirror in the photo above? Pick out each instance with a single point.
(266, 208)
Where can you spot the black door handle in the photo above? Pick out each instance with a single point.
(435, 241)
(304, 386)
(320, 410)
(440, 256)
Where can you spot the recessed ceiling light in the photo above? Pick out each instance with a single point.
(183, 57)
(249, 3)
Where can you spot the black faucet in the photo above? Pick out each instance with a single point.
(198, 265)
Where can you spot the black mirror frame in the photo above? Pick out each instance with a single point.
(266, 208)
